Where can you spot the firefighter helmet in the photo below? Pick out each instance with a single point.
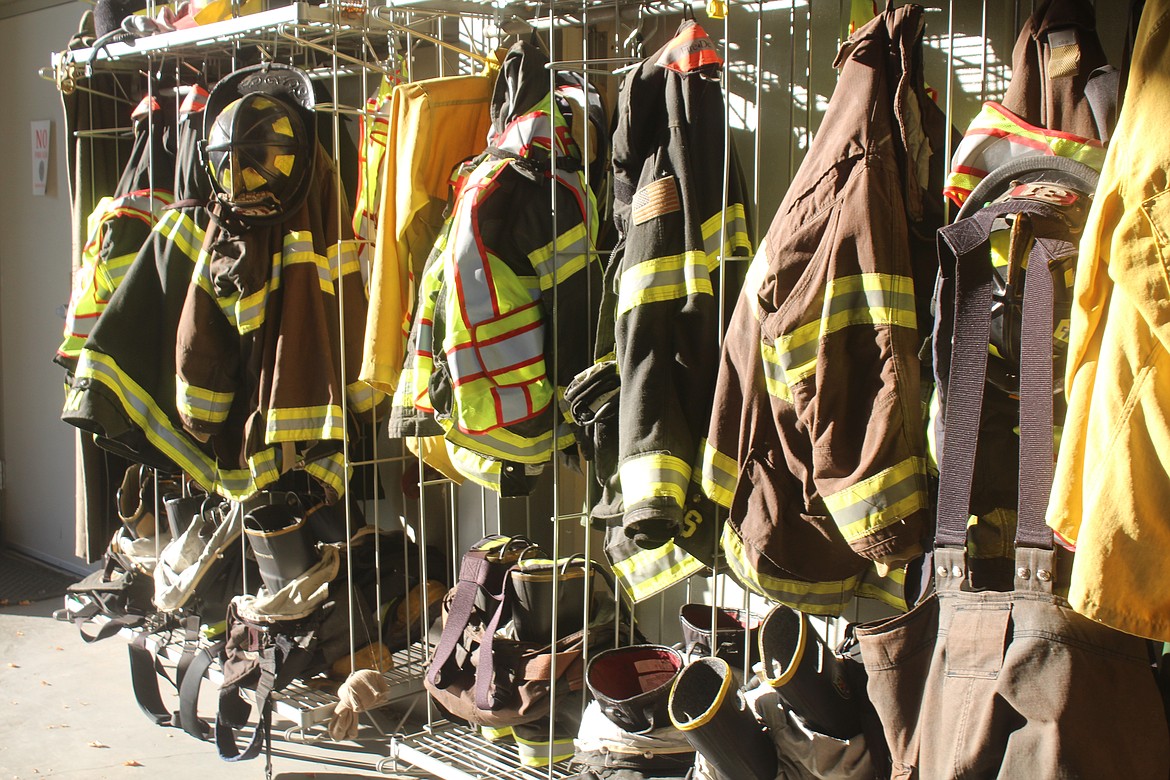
(259, 142)
(1060, 182)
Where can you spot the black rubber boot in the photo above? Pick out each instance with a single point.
(731, 625)
(281, 542)
(626, 733)
(706, 707)
(632, 684)
(807, 674)
(532, 609)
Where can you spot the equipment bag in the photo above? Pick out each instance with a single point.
(1008, 682)
(479, 673)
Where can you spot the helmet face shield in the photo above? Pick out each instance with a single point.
(259, 142)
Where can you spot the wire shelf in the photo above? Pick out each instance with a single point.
(456, 752)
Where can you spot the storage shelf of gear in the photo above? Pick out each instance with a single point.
(774, 80)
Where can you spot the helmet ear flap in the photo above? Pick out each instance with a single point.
(259, 142)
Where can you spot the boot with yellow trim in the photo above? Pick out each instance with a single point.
(807, 674)
(706, 706)
(626, 733)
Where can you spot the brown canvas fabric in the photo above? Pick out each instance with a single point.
(1054, 55)
(1012, 685)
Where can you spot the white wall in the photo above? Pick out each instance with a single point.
(36, 504)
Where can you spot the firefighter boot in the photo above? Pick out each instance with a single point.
(532, 610)
(280, 540)
(705, 705)
(731, 625)
(807, 674)
(626, 732)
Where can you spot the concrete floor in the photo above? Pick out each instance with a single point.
(66, 710)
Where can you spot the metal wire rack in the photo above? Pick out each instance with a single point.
(777, 79)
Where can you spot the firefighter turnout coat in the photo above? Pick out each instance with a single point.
(817, 443)
(679, 207)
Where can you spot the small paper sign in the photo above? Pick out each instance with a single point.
(41, 132)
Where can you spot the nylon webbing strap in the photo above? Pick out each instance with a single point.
(106, 630)
(189, 686)
(485, 670)
(145, 670)
(1036, 457)
(474, 573)
(226, 723)
(972, 329)
(966, 240)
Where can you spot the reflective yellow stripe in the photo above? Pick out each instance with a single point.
(362, 397)
(331, 471)
(144, 412)
(879, 501)
(656, 474)
(649, 572)
(484, 472)
(572, 247)
(816, 598)
(304, 423)
(182, 231)
(960, 185)
(736, 235)
(890, 589)
(664, 279)
(864, 299)
(994, 138)
(349, 263)
(503, 444)
(535, 752)
(198, 403)
(493, 734)
(720, 473)
(774, 378)
(298, 256)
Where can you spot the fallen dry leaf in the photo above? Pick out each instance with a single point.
(20, 633)
(96, 744)
(131, 763)
(57, 726)
(58, 647)
(3, 602)
(45, 682)
(13, 666)
(23, 603)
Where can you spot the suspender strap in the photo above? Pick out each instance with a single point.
(106, 630)
(479, 575)
(1036, 455)
(280, 659)
(485, 670)
(963, 248)
(189, 687)
(968, 371)
(145, 669)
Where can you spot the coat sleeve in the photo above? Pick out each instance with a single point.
(207, 346)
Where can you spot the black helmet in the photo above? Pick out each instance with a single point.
(1061, 182)
(260, 141)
